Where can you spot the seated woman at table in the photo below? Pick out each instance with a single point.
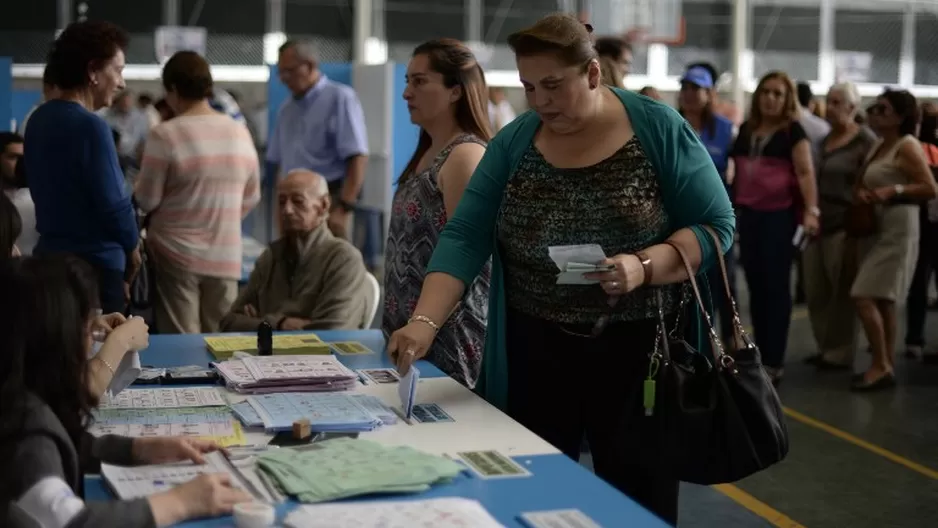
(589, 164)
(307, 279)
(46, 315)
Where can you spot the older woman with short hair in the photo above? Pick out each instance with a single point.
(589, 164)
(828, 260)
(82, 204)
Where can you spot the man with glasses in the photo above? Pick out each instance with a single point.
(321, 128)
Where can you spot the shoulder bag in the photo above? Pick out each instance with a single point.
(721, 421)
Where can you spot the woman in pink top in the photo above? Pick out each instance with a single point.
(199, 178)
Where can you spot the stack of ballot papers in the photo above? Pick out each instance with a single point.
(326, 412)
(266, 374)
(449, 512)
(345, 467)
(223, 347)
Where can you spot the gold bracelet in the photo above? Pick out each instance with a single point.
(106, 364)
(425, 320)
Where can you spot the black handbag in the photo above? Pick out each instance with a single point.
(721, 420)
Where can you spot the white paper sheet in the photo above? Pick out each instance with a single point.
(447, 512)
(407, 390)
(127, 372)
(164, 398)
(574, 261)
(142, 481)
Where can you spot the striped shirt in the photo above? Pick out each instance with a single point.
(200, 177)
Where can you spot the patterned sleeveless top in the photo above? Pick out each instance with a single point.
(418, 215)
(615, 203)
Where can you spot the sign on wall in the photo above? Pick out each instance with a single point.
(172, 39)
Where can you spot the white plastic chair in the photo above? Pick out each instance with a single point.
(373, 309)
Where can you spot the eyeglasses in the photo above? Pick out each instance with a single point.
(878, 109)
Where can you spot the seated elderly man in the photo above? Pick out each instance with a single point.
(308, 279)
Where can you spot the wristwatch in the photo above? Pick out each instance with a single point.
(646, 267)
(815, 211)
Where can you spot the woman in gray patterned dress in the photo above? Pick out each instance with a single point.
(447, 98)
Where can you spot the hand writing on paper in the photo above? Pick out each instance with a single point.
(165, 449)
(249, 310)
(626, 275)
(203, 496)
(294, 323)
(410, 343)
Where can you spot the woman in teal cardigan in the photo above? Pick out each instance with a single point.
(589, 165)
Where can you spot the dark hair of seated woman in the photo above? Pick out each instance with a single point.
(46, 311)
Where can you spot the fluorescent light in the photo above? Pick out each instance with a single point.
(272, 43)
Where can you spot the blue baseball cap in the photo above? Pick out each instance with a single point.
(699, 76)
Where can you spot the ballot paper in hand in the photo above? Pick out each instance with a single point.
(574, 261)
(126, 373)
(407, 390)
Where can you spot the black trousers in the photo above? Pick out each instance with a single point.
(766, 255)
(917, 302)
(563, 385)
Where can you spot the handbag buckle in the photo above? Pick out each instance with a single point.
(728, 363)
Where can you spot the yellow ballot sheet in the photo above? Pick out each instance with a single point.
(223, 347)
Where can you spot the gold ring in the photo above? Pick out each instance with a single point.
(410, 352)
(614, 285)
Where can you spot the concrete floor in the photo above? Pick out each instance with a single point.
(856, 460)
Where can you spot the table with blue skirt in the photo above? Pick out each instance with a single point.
(555, 482)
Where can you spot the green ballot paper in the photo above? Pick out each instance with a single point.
(346, 467)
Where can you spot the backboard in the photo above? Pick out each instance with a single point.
(649, 21)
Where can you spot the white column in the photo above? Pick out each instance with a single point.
(742, 72)
(826, 67)
(361, 32)
(369, 45)
(171, 15)
(472, 22)
(907, 56)
(64, 11)
(274, 37)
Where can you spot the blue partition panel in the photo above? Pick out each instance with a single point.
(22, 102)
(404, 134)
(6, 92)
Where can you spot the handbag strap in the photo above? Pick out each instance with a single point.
(738, 331)
(719, 354)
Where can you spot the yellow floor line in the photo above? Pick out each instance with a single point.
(859, 442)
(770, 514)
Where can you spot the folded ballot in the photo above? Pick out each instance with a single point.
(574, 261)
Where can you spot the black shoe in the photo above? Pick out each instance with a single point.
(886, 381)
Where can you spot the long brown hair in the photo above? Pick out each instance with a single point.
(790, 110)
(455, 62)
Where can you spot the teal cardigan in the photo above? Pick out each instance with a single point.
(692, 191)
